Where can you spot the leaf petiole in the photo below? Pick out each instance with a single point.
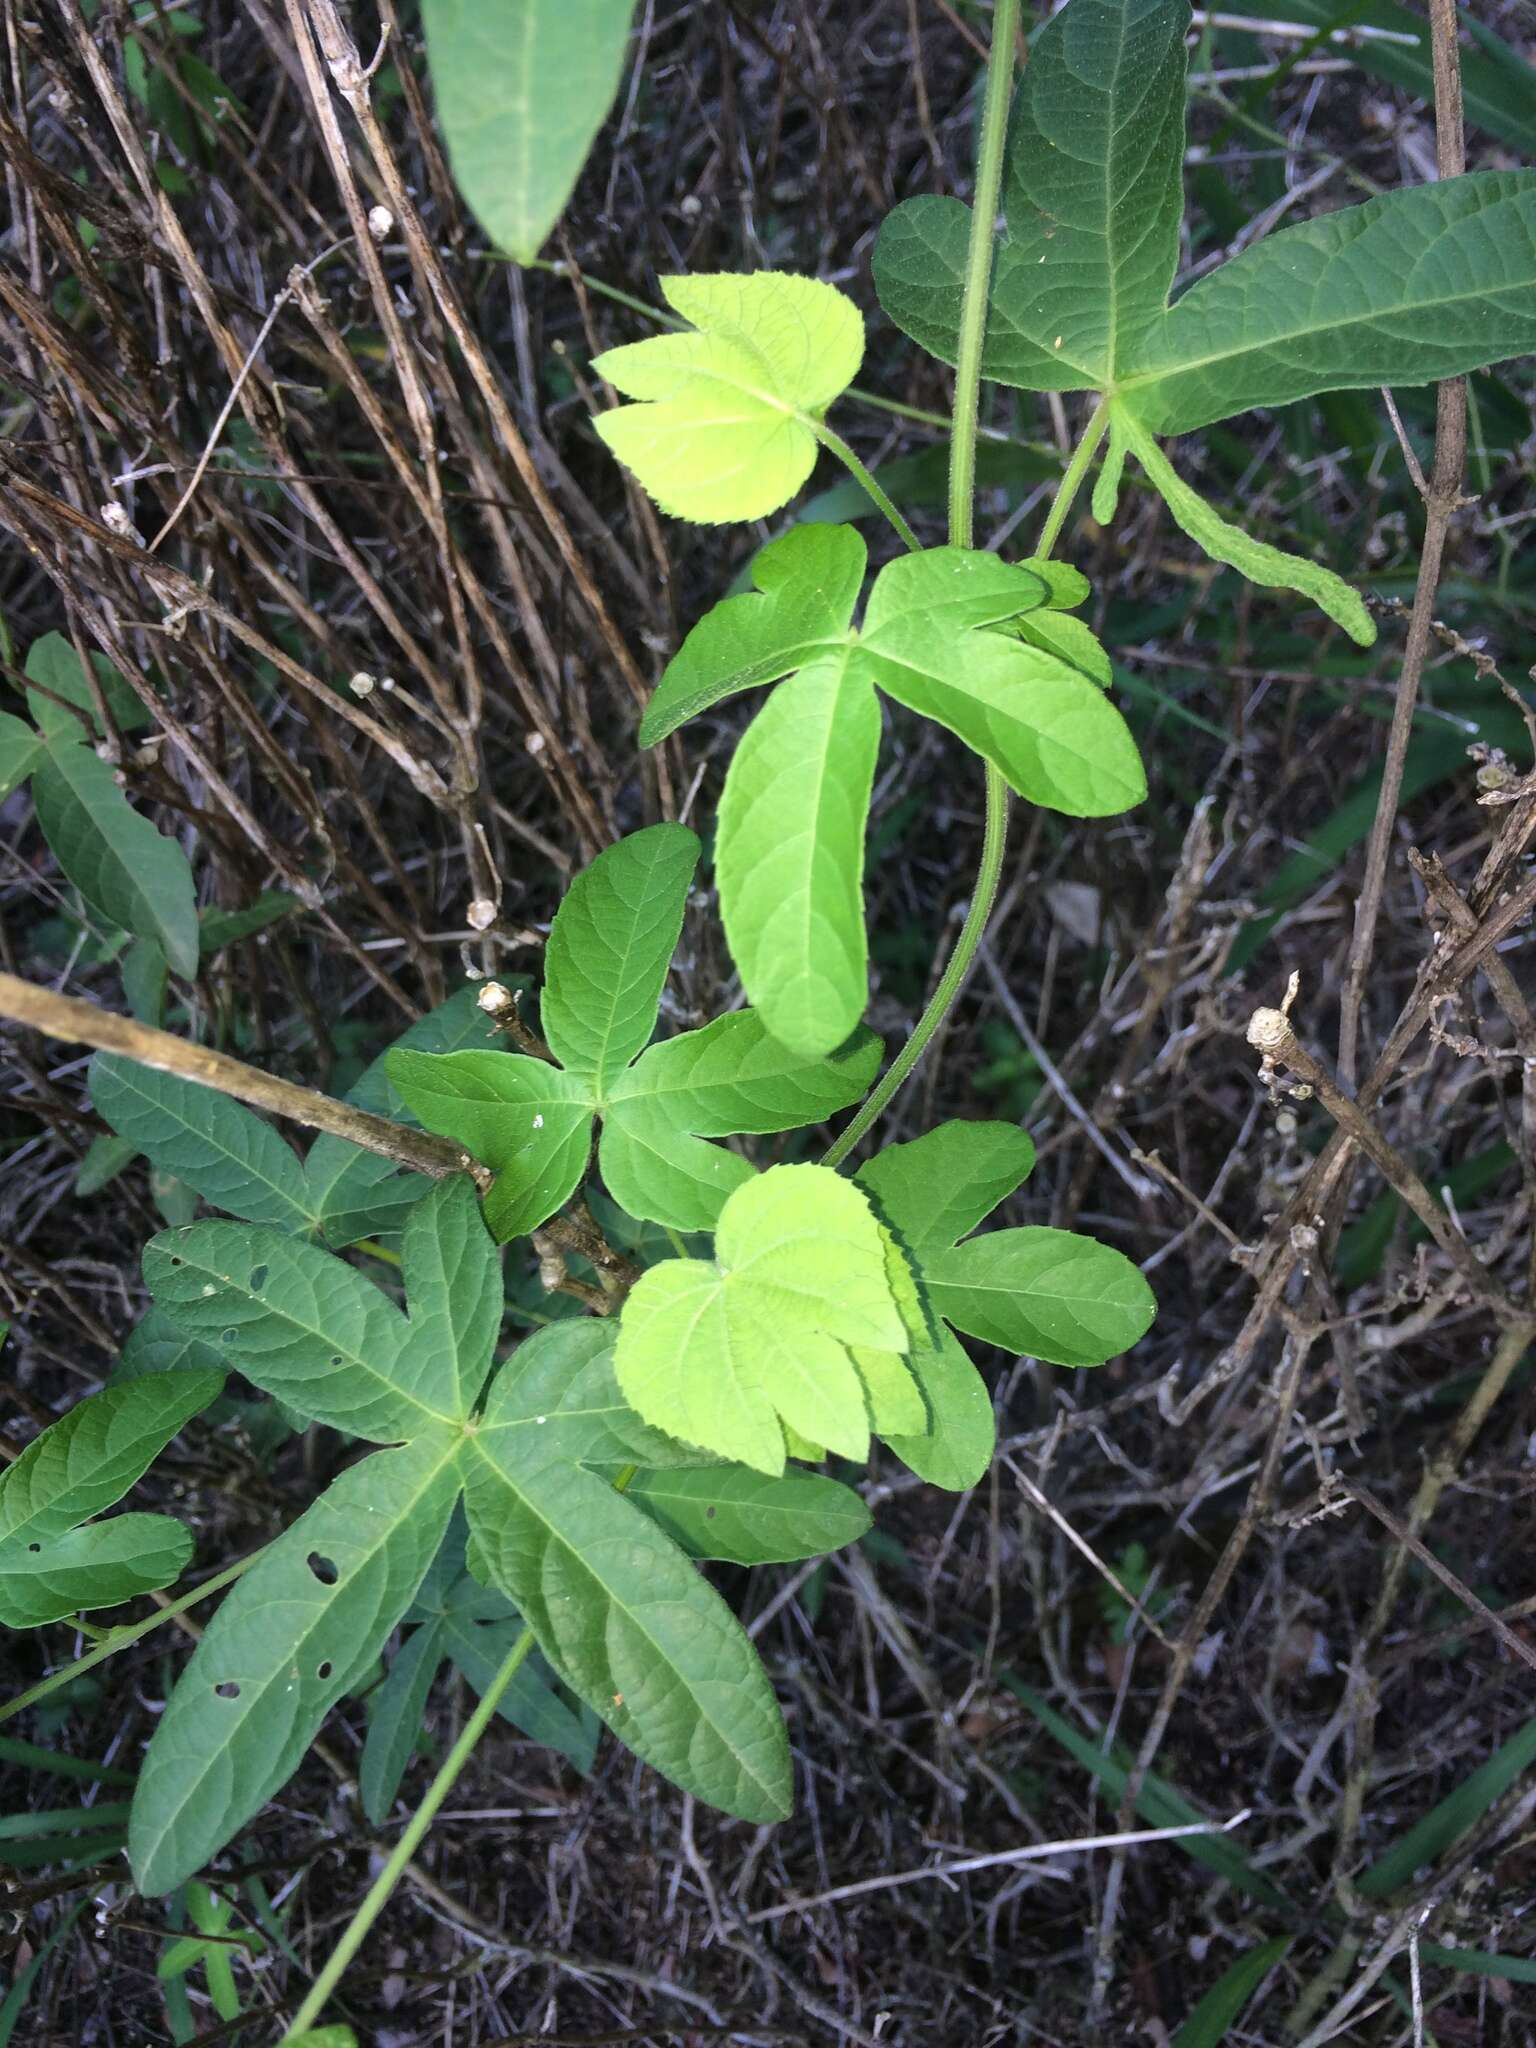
(120, 1638)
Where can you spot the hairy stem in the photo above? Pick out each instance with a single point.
(951, 981)
(379, 1891)
(978, 273)
(836, 445)
(1072, 479)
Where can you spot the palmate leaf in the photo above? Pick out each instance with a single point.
(726, 426)
(793, 813)
(54, 1560)
(607, 957)
(728, 1352)
(1411, 287)
(1047, 1294)
(521, 91)
(618, 1611)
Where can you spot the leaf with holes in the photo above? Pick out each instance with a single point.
(617, 1610)
(658, 1105)
(54, 1560)
(1048, 1294)
(729, 1352)
(1029, 697)
(728, 414)
(1410, 288)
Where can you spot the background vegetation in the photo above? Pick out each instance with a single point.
(386, 670)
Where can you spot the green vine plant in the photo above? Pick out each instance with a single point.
(538, 1517)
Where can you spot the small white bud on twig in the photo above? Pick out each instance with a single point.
(493, 998)
(361, 685)
(380, 222)
(481, 914)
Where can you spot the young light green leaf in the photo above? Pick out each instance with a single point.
(295, 1634)
(609, 950)
(532, 1122)
(745, 1517)
(613, 1605)
(1045, 1293)
(128, 873)
(521, 92)
(1267, 566)
(789, 856)
(722, 1352)
(808, 583)
(53, 662)
(50, 1565)
(1051, 734)
(726, 424)
(231, 1157)
(21, 748)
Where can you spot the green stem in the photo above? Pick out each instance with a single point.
(120, 1638)
(845, 455)
(978, 273)
(962, 480)
(1072, 478)
(384, 1884)
(994, 838)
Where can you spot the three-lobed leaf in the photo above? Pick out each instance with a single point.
(725, 424)
(1028, 696)
(659, 1107)
(522, 87)
(1411, 287)
(1049, 1294)
(729, 1352)
(54, 1560)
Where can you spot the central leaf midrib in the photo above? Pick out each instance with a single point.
(1164, 373)
(615, 1600)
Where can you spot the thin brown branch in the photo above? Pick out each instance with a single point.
(80, 1023)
